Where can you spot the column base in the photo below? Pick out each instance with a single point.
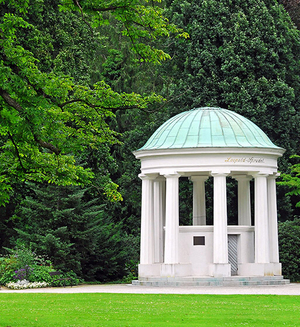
(260, 269)
(164, 270)
(149, 270)
(220, 270)
(174, 270)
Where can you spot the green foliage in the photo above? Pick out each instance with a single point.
(241, 55)
(40, 273)
(74, 232)
(289, 243)
(65, 279)
(131, 270)
(47, 118)
(141, 22)
(22, 256)
(292, 180)
(23, 263)
(7, 269)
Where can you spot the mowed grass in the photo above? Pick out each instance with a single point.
(147, 310)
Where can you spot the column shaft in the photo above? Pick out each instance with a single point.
(244, 201)
(147, 239)
(273, 229)
(220, 250)
(172, 219)
(199, 206)
(261, 220)
(159, 218)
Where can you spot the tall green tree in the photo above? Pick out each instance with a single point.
(241, 55)
(74, 232)
(47, 117)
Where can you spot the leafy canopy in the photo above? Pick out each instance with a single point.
(45, 117)
(141, 21)
(292, 180)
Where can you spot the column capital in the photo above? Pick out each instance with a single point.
(219, 173)
(260, 174)
(172, 175)
(147, 176)
(274, 176)
(199, 178)
(242, 177)
(160, 178)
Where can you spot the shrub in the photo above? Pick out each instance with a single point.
(66, 279)
(23, 264)
(40, 274)
(289, 244)
(7, 276)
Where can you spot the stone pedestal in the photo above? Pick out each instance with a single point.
(161, 270)
(175, 270)
(260, 269)
(220, 270)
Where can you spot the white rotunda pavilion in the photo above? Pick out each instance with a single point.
(198, 144)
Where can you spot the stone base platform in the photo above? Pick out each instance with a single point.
(211, 281)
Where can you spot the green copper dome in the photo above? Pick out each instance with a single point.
(208, 127)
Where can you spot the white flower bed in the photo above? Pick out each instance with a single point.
(22, 284)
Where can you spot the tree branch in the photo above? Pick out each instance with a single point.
(16, 70)
(111, 8)
(17, 151)
(47, 145)
(10, 101)
(87, 23)
(96, 106)
(13, 103)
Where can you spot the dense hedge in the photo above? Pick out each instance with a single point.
(289, 248)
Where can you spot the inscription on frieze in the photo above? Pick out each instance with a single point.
(248, 160)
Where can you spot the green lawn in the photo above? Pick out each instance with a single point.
(147, 310)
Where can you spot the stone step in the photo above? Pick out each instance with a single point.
(223, 281)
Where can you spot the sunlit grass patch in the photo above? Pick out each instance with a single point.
(147, 310)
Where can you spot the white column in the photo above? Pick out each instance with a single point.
(272, 211)
(147, 237)
(244, 201)
(159, 217)
(261, 219)
(199, 206)
(220, 244)
(172, 219)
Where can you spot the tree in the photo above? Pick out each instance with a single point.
(46, 117)
(74, 232)
(241, 55)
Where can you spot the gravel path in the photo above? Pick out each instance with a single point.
(289, 289)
